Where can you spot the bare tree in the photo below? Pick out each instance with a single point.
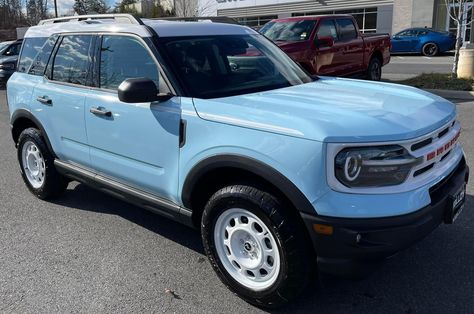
(192, 8)
(458, 15)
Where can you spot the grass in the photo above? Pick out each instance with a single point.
(439, 81)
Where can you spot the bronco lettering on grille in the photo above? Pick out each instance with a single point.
(443, 148)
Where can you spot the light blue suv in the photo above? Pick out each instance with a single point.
(214, 126)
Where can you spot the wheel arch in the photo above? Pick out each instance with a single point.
(213, 173)
(23, 119)
(377, 54)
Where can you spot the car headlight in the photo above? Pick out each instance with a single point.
(374, 166)
(7, 66)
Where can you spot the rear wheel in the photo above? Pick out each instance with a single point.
(374, 71)
(430, 49)
(37, 166)
(256, 245)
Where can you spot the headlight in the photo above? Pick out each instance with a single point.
(7, 66)
(373, 166)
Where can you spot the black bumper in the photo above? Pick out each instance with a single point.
(356, 243)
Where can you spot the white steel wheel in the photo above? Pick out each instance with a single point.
(247, 249)
(33, 164)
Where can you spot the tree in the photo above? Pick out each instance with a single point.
(458, 15)
(192, 8)
(83, 7)
(36, 10)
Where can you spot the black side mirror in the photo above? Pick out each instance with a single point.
(142, 89)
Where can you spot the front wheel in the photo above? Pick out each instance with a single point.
(430, 49)
(256, 245)
(374, 71)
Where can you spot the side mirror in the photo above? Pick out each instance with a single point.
(324, 41)
(137, 90)
(396, 37)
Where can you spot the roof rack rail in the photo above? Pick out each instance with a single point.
(214, 19)
(118, 18)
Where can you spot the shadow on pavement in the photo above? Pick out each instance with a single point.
(85, 198)
(428, 276)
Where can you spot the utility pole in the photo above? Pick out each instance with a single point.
(55, 8)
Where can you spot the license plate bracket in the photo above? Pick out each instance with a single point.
(455, 205)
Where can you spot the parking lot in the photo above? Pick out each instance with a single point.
(87, 252)
(402, 67)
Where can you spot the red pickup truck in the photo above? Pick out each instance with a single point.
(331, 45)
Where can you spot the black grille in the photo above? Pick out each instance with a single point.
(423, 170)
(421, 144)
(443, 133)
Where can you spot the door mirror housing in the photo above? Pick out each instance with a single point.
(324, 41)
(138, 90)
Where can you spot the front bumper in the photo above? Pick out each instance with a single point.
(5, 75)
(353, 243)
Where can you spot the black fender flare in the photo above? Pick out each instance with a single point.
(289, 190)
(23, 113)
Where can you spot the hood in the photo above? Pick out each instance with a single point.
(334, 110)
(11, 59)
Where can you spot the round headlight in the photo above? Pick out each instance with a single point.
(353, 166)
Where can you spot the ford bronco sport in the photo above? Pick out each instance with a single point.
(214, 126)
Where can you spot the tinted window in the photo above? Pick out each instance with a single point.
(42, 56)
(226, 65)
(407, 33)
(31, 47)
(347, 30)
(71, 63)
(289, 30)
(13, 50)
(327, 29)
(124, 57)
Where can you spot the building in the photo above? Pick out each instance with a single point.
(384, 16)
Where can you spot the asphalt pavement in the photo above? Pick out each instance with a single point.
(89, 253)
(403, 67)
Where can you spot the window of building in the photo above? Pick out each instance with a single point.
(256, 21)
(124, 57)
(71, 63)
(366, 18)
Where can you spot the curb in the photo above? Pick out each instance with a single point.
(452, 94)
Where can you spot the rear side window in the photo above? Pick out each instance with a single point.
(41, 60)
(124, 57)
(327, 29)
(71, 63)
(347, 30)
(31, 47)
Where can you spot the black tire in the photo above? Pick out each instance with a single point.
(430, 49)
(374, 71)
(297, 261)
(54, 184)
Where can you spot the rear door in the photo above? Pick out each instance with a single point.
(352, 45)
(136, 144)
(59, 97)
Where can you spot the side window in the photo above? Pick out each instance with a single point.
(71, 63)
(13, 50)
(39, 63)
(327, 28)
(31, 47)
(124, 57)
(347, 30)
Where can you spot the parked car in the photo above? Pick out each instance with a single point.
(331, 45)
(283, 173)
(8, 58)
(423, 40)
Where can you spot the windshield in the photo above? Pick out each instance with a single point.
(289, 30)
(220, 66)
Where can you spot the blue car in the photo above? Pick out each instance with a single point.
(214, 126)
(422, 40)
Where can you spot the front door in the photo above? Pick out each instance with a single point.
(329, 60)
(405, 41)
(137, 144)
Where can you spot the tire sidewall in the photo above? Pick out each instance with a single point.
(371, 64)
(429, 55)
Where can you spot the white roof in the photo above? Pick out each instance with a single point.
(162, 28)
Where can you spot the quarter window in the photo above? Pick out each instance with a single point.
(124, 57)
(31, 47)
(347, 30)
(72, 61)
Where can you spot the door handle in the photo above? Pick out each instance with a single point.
(44, 100)
(100, 111)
